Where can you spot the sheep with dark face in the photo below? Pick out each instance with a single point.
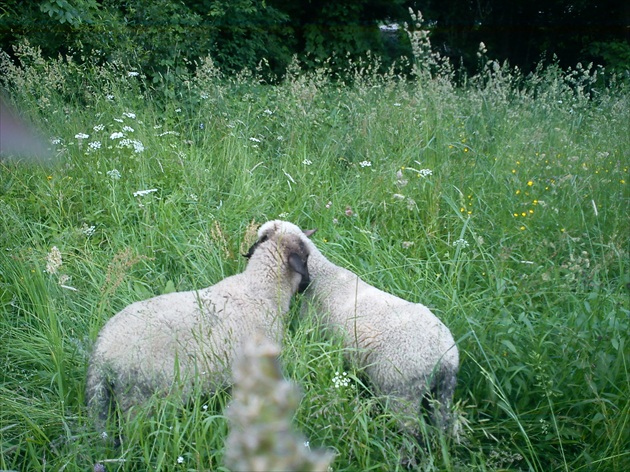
(406, 351)
(189, 339)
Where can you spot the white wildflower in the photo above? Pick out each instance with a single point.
(407, 244)
(180, 460)
(109, 97)
(365, 164)
(255, 140)
(142, 193)
(81, 136)
(128, 129)
(94, 145)
(99, 128)
(398, 196)
(119, 120)
(128, 114)
(53, 260)
(268, 112)
(341, 380)
(114, 174)
(460, 243)
(88, 230)
(116, 135)
(138, 147)
(55, 141)
(133, 74)
(307, 162)
(425, 172)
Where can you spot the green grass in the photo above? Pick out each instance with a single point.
(517, 239)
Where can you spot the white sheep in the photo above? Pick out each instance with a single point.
(406, 351)
(188, 339)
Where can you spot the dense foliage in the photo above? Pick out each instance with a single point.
(163, 36)
(501, 204)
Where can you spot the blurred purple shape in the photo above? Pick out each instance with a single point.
(18, 139)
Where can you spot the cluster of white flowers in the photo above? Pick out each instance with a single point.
(482, 49)
(255, 140)
(81, 136)
(94, 145)
(307, 162)
(138, 147)
(55, 141)
(407, 244)
(88, 230)
(133, 74)
(128, 129)
(142, 193)
(460, 243)
(116, 135)
(341, 380)
(130, 115)
(365, 164)
(53, 260)
(99, 128)
(425, 172)
(114, 174)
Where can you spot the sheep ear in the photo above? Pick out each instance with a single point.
(309, 232)
(298, 264)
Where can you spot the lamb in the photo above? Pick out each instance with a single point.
(190, 339)
(406, 351)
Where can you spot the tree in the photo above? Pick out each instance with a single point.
(524, 31)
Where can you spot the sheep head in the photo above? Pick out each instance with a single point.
(291, 250)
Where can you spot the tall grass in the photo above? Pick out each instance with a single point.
(501, 203)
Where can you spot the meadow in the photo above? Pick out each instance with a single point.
(498, 200)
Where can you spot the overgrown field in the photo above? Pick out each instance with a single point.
(501, 203)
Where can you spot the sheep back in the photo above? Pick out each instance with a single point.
(190, 338)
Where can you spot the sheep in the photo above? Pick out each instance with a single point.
(405, 350)
(190, 339)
